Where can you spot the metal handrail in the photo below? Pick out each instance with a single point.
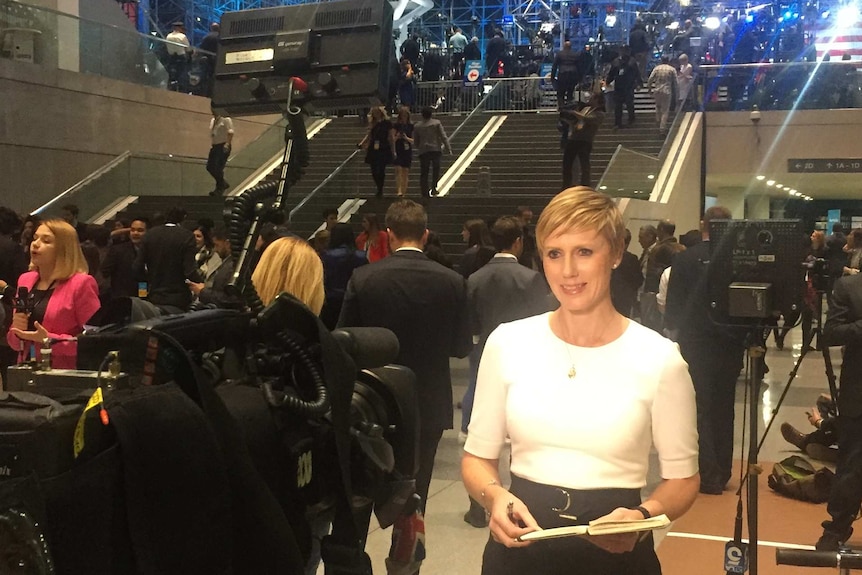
(90, 178)
(343, 164)
(610, 163)
(470, 115)
(677, 120)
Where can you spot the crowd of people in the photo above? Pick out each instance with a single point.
(594, 319)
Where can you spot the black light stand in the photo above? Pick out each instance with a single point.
(754, 375)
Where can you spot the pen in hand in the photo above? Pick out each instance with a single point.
(510, 513)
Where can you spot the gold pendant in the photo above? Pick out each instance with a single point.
(571, 372)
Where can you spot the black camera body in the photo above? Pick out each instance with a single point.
(325, 436)
(818, 273)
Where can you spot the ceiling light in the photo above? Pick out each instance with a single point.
(603, 187)
(651, 177)
(770, 182)
(761, 178)
(712, 23)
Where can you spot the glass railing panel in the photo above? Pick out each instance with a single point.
(62, 41)
(94, 192)
(630, 174)
(262, 148)
(782, 86)
(155, 175)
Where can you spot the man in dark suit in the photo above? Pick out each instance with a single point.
(501, 291)
(714, 355)
(425, 305)
(626, 280)
(119, 263)
(167, 255)
(843, 327)
(212, 293)
(836, 257)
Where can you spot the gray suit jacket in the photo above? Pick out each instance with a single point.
(503, 290)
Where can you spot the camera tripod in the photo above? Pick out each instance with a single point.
(754, 375)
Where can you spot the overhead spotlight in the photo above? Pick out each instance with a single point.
(673, 25)
(770, 182)
(611, 20)
(651, 177)
(603, 187)
(712, 23)
(847, 16)
(824, 14)
(760, 178)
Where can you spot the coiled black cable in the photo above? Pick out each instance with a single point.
(313, 408)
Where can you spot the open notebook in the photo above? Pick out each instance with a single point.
(599, 527)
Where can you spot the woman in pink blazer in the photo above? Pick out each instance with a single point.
(62, 296)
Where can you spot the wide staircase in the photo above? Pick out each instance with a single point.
(519, 166)
(333, 155)
(524, 163)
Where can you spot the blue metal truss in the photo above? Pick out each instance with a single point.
(433, 20)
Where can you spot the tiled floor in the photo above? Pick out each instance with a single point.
(455, 548)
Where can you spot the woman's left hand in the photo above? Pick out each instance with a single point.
(38, 334)
(619, 542)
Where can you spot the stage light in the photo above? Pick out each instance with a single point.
(749, 18)
(712, 23)
(673, 26)
(847, 16)
(824, 14)
(611, 20)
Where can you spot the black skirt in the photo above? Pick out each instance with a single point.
(570, 555)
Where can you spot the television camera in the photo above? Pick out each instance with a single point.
(219, 439)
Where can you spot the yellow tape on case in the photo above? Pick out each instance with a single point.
(78, 441)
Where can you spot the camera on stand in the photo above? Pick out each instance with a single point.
(230, 436)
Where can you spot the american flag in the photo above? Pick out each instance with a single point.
(838, 41)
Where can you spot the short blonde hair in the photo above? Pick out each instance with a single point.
(67, 249)
(579, 209)
(290, 265)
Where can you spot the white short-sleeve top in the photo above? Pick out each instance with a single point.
(594, 430)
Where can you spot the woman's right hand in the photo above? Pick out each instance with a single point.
(19, 320)
(508, 514)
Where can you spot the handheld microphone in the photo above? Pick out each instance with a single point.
(368, 346)
(21, 302)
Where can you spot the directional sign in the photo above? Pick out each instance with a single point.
(825, 165)
(473, 73)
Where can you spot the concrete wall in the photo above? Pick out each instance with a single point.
(736, 146)
(56, 127)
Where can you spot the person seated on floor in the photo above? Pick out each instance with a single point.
(817, 444)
